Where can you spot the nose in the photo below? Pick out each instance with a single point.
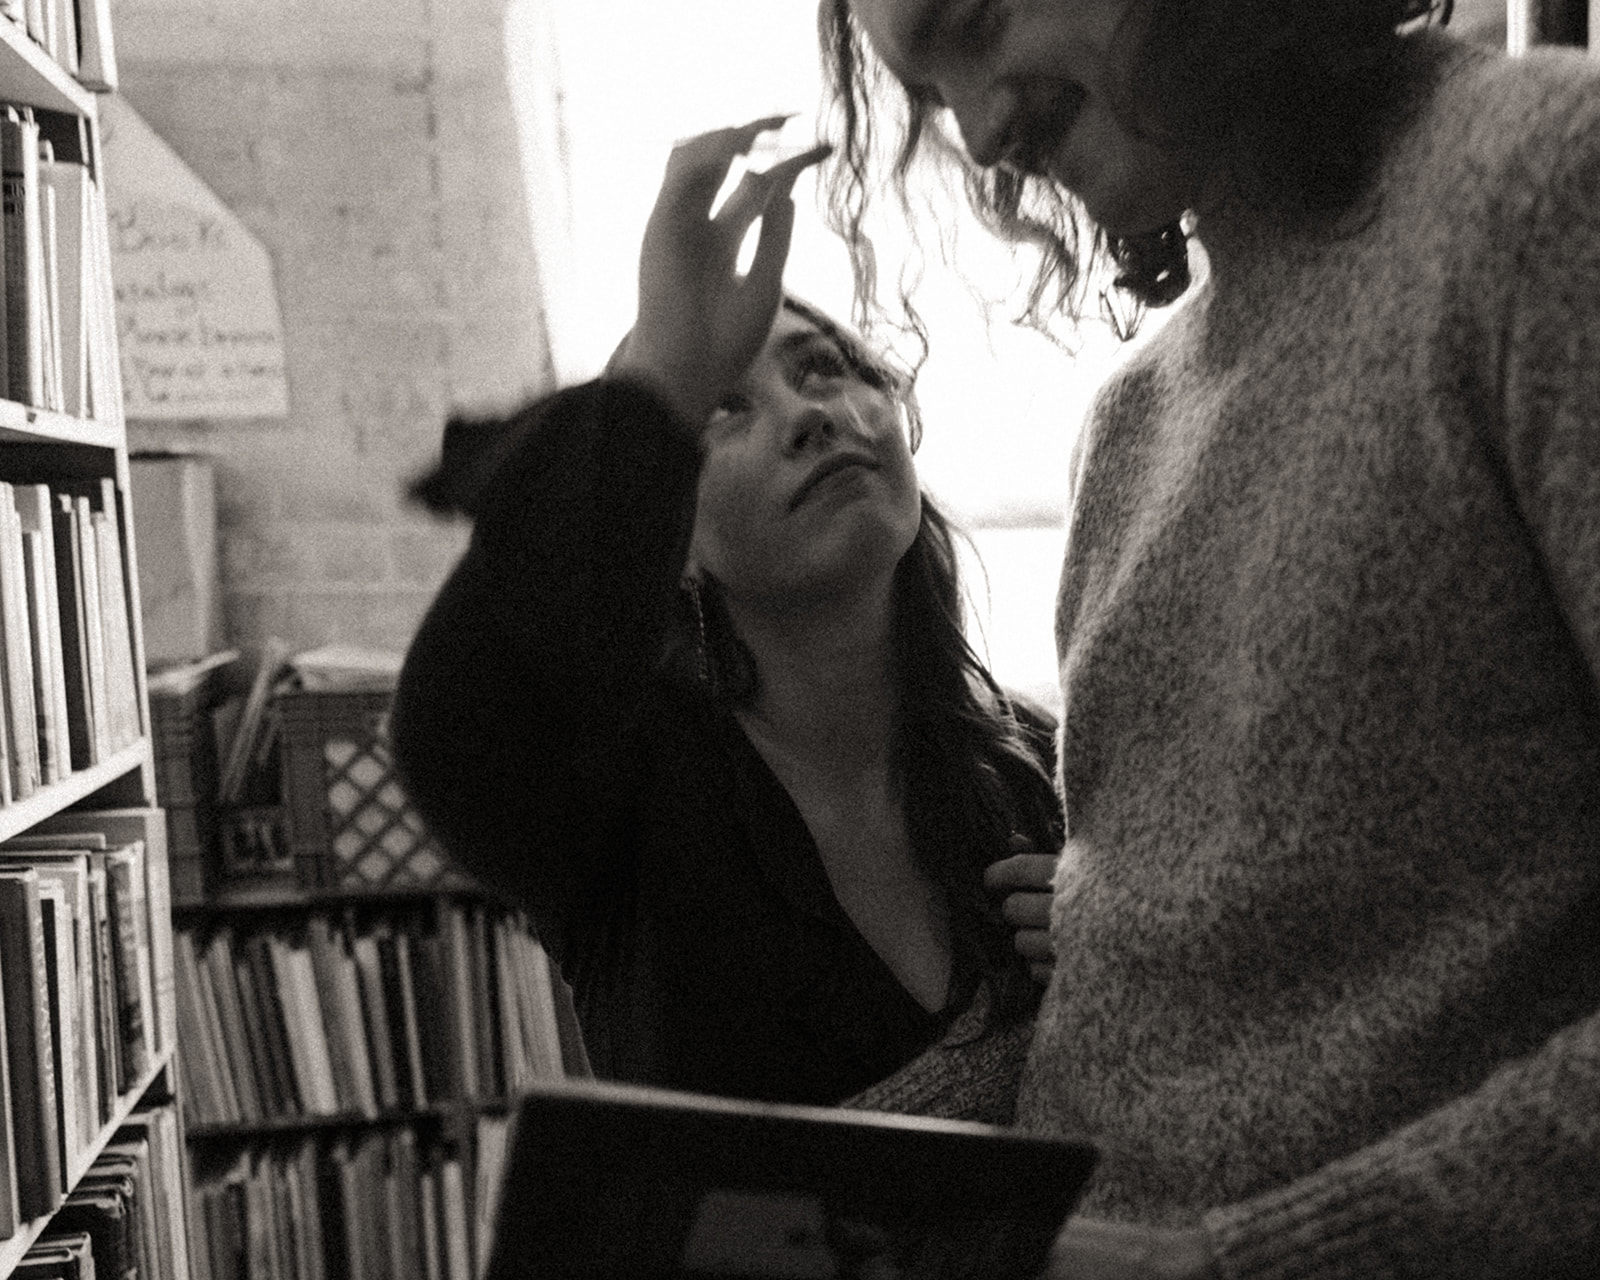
(813, 427)
(987, 116)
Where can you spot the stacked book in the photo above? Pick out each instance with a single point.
(125, 1216)
(68, 690)
(367, 1206)
(54, 271)
(88, 1002)
(443, 1002)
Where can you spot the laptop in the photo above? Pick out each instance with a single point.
(608, 1181)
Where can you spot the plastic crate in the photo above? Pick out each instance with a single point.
(351, 827)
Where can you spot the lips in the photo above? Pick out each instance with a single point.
(832, 466)
(1042, 131)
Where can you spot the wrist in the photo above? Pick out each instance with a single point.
(679, 392)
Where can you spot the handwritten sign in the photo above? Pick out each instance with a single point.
(198, 329)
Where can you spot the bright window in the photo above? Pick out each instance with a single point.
(605, 87)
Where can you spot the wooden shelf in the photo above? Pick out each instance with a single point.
(344, 1120)
(29, 74)
(23, 424)
(18, 816)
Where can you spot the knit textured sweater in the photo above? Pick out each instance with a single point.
(1327, 921)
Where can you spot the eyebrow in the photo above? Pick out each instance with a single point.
(798, 339)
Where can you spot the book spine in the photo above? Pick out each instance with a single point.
(122, 691)
(98, 63)
(374, 1008)
(217, 958)
(94, 629)
(62, 979)
(19, 211)
(10, 1204)
(272, 1025)
(21, 719)
(197, 1063)
(107, 1000)
(46, 654)
(130, 963)
(81, 738)
(24, 970)
(320, 948)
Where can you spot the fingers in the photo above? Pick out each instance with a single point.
(765, 278)
(783, 174)
(1027, 910)
(1032, 871)
(698, 166)
(759, 192)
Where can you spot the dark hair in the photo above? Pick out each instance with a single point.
(1287, 93)
(969, 773)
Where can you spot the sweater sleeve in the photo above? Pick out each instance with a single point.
(1504, 1180)
(516, 715)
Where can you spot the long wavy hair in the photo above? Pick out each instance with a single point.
(969, 774)
(1288, 95)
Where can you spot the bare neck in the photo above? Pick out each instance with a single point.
(827, 693)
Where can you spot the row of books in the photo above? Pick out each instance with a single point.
(441, 1002)
(125, 1218)
(55, 271)
(67, 679)
(76, 33)
(86, 987)
(378, 1205)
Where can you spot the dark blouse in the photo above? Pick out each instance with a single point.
(667, 870)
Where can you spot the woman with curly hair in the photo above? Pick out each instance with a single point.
(1327, 918)
(699, 697)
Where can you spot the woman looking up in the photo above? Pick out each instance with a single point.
(698, 695)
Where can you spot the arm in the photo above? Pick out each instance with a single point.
(513, 713)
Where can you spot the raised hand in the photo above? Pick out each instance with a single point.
(700, 323)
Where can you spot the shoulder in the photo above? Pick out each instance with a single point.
(1509, 121)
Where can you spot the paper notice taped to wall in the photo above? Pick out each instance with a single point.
(199, 333)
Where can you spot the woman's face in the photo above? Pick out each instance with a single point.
(1029, 82)
(807, 488)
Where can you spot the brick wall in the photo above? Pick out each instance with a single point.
(371, 146)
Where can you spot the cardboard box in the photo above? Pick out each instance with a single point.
(174, 502)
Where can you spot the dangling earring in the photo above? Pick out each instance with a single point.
(1153, 267)
(702, 643)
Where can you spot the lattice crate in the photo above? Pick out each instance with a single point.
(350, 825)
